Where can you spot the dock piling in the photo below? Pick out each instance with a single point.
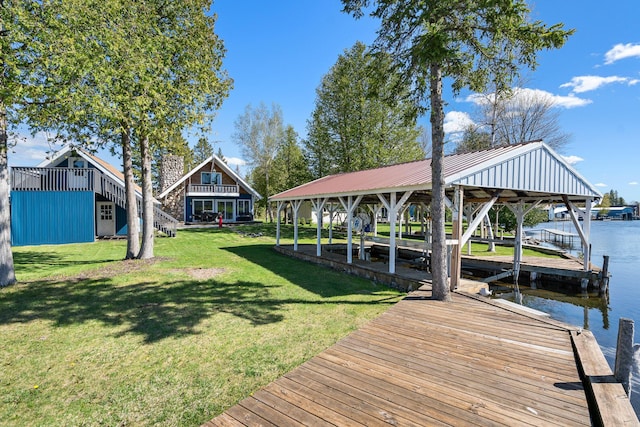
(624, 354)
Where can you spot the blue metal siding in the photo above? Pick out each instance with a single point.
(121, 221)
(52, 217)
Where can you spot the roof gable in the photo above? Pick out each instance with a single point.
(103, 166)
(218, 163)
(531, 167)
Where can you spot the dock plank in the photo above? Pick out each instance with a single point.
(424, 362)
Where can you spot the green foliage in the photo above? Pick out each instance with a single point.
(290, 166)
(363, 117)
(507, 220)
(221, 156)
(201, 151)
(612, 199)
(473, 139)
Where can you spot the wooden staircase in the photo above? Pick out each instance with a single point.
(162, 221)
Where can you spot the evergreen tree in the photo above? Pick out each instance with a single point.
(465, 41)
(363, 117)
(220, 155)
(202, 151)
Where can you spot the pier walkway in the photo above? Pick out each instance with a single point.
(425, 362)
(468, 362)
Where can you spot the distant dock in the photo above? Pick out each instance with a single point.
(558, 236)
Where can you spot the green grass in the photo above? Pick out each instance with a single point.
(88, 339)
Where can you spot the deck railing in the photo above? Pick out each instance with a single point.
(53, 179)
(213, 189)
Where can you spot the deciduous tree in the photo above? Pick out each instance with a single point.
(259, 132)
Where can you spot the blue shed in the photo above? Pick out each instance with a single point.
(72, 198)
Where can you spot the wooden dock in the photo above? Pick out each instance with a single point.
(565, 268)
(425, 362)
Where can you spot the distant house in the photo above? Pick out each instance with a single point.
(210, 189)
(615, 212)
(72, 198)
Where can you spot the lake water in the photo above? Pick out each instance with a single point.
(621, 241)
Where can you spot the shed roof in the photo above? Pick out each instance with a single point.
(528, 170)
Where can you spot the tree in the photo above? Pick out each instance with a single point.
(473, 139)
(220, 155)
(529, 115)
(461, 40)
(130, 73)
(202, 151)
(363, 117)
(290, 163)
(259, 132)
(507, 219)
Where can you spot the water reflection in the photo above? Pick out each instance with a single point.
(543, 296)
(620, 240)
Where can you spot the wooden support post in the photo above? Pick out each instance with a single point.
(624, 354)
(295, 207)
(604, 276)
(331, 212)
(393, 208)
(350, 206)
(457, 235)
(318, 205)
(278, 210)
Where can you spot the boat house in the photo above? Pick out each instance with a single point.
(521, 177)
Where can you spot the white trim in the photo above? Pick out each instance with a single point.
(219, 163)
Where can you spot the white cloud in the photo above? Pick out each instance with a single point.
(622, 51)
(572, 160)
(527, 94)
(600, 184)
(235, 161)
(456, 121)
(582, 84)
(28, 150)
(633, 183)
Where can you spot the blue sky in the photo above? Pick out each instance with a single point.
(278, 51)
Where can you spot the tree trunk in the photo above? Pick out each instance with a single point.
(131, 205)
(440, 286)
(7, 272)
(146, 252)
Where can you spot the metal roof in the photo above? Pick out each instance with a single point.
(528, 170)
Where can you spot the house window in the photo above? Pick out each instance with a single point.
(244, 207)
(200, 206)
(209, 178)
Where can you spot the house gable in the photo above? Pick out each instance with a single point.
(229, 177)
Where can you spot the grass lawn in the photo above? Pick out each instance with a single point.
(89, 339)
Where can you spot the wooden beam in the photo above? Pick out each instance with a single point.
(456, 234)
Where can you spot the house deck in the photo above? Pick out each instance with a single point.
(425, 362)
